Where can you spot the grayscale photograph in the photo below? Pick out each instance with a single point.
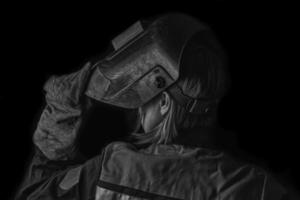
(150, 102)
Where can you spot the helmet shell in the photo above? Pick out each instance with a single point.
(145, 61)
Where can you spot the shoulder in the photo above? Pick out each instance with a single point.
(240, 178)
(117, 147)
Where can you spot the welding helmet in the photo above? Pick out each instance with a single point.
(148, 59)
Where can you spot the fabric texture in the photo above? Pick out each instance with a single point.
(120, 171)
(179, 172)
(54, 169)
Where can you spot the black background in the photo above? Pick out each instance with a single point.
(39, 40)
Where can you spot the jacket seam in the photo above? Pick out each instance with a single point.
(132, 191)
(98, 174)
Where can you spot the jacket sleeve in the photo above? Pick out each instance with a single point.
(60, 121)
(57, 171)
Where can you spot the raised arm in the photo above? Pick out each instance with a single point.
(60, 121)
(56, 168)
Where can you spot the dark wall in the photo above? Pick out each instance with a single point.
(40, 40)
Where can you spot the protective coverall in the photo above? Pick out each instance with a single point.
(121, 171)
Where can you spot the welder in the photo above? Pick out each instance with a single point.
(172, 70)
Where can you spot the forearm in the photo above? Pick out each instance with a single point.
(61, 119)
(56, 133)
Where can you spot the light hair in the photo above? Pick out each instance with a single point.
(203, 74)
(176, 120)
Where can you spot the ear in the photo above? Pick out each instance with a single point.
(164, 103)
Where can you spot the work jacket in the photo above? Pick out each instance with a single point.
(123, 171)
